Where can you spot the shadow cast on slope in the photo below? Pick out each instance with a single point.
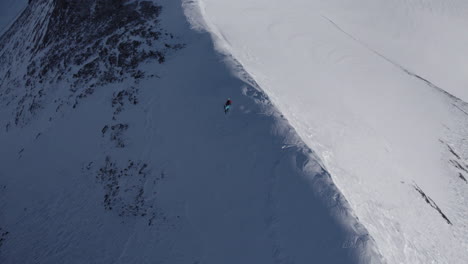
(240, 188)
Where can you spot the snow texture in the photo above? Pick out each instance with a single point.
(10, 10)
(115, 148)
(378, 90)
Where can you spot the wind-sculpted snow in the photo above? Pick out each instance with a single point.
(378, 90)
(115, 149)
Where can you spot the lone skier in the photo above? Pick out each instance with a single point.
(227, 105)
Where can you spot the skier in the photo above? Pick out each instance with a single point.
(227, 105)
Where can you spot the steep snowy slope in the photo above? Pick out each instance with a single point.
(365, 85)
(115, 149)
(10, 9)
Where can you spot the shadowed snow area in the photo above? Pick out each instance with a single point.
(115, 149)
(9, 11)
(378, 90)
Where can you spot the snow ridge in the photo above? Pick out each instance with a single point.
(378, 102)
(115, 149)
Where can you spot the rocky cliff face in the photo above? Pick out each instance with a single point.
(87, 43)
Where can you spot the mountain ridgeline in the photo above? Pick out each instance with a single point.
(114, 148)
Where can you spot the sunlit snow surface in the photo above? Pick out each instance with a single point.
(367, 85)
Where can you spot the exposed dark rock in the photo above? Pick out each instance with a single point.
(104, 129)
(3, 236)
(120, 98)
(431, 203)
(89, 43)
(462, 177)
(116, 134)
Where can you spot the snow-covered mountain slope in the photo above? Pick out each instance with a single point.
(425, 37)
(10, 10)
(115, 149)
(367, 86)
